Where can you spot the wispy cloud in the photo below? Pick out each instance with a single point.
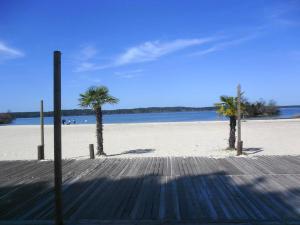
(150, 51)
(94, 80)
(147, 51)
(88, 52)
(7, 52)
(84, 59)
(85, 66)
(129, 74)
(226, 44)
(286, 13)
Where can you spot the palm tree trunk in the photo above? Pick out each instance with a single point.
(232, 132)
(99, 131)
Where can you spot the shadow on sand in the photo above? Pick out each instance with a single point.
(134, 151)
(250, 151)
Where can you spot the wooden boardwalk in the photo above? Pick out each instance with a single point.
(192, 190)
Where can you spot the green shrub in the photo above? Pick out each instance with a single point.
(6, 118)
(261, 108)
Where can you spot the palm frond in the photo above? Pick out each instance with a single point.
(227, 107)
(94, 97)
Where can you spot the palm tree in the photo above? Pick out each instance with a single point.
(228, 107)
(95, 98)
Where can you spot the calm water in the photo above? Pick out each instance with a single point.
(148, 117)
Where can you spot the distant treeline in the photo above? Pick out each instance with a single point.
(6, 118)
(256, 109)
(289, 106)
(81, 112)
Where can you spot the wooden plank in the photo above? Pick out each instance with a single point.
(24, 192)
(151, 210)
(139, 206)
(204, 198)
(175, 198)
(226, 196)
(132, 198)
(79, 169)
(274, 199)
(82, 191)
(122, 199)
(190, 207)
(162, 201)
(169, 208)
(248, 206)
(177, 189)
(217, 202)
(229, 167)
(251, 186)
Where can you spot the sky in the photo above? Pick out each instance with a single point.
(149, 53)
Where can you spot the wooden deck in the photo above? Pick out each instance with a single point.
(193, 190)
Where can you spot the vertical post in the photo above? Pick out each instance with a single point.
(42, 122)
(41, 152)
(92, 154)
(57, 139)
(239, 141)
(41, 146)
(42, 128)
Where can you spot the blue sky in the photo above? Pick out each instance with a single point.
(149, 53)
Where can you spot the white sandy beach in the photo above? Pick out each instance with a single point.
(261, 137)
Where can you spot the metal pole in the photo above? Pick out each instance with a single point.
(239, 143)
(57, 139)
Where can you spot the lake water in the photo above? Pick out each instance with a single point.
(148, 117)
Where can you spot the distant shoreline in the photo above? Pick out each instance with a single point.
(258, 120)
(82, 112)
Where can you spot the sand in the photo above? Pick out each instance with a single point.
(261, 137)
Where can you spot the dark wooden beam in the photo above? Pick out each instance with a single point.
(42, 123)
(57, 139)
(239, 141)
